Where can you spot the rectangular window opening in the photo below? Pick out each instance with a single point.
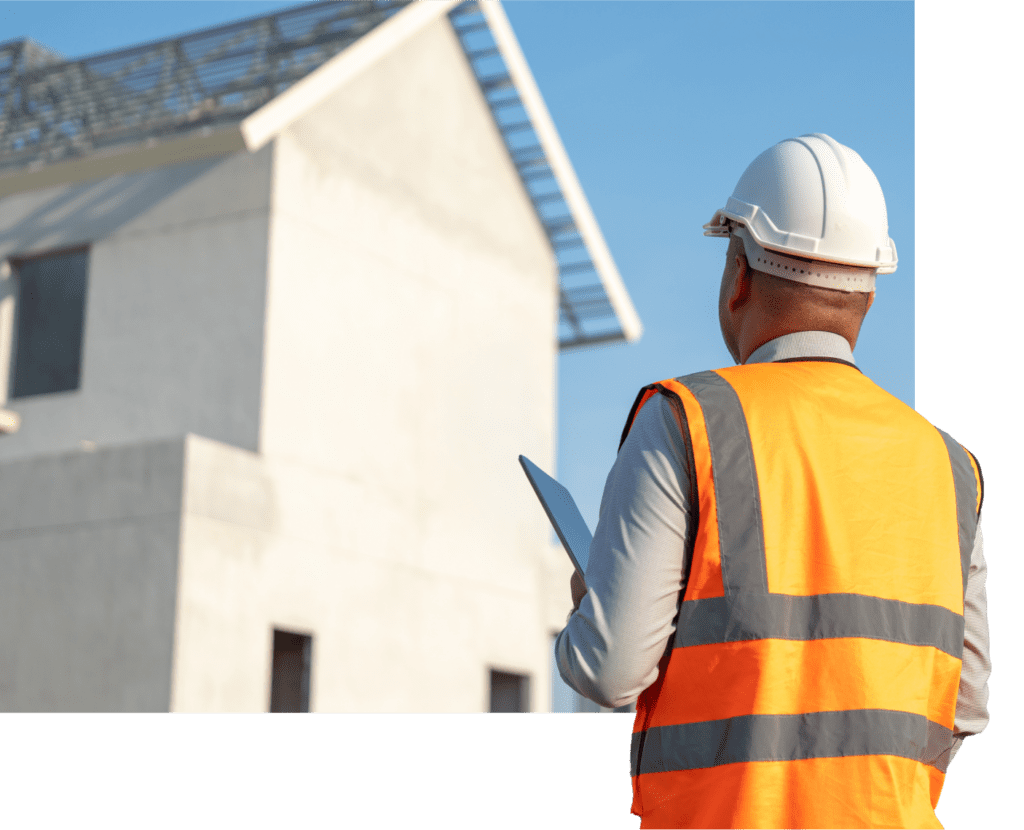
(289, 683)
(509, 692)
(50, 323)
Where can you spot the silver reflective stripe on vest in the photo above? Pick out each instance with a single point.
(791, 738)
(818, 617)
(737, 496)
(966, 500)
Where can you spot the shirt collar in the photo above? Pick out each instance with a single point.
(803, 344)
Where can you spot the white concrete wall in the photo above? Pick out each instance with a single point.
(174, 308)
(88, 575)
(274, 543)
(410, 357)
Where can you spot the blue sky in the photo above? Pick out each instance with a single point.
(661, 106)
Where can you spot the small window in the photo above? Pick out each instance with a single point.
(289, 683)
(509, 692)
(50, 323)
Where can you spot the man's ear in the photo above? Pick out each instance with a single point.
(742, 284)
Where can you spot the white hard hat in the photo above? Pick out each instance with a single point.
(813, 199)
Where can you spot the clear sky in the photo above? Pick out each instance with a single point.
(661, 106)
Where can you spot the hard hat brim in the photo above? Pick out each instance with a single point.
(814, 272)
(763, 231)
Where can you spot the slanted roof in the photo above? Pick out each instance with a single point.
(237, 86)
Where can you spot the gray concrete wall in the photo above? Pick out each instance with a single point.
(174, 306)
(410, 357)
(88, 576)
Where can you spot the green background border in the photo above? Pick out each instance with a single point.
(568, 771)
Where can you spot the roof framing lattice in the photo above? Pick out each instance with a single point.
(53, 110)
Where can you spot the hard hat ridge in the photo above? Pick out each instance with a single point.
(814, 199)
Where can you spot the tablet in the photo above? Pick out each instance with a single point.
(564, 514)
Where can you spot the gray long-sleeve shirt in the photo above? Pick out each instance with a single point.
(610, 648)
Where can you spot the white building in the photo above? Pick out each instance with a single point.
(280, 305)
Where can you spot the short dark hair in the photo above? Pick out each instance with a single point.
(789, 293)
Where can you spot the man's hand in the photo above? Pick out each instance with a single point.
(578, 588)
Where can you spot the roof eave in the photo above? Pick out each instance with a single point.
(558, 160)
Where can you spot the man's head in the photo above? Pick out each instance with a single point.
(755, 307)
(807, 232)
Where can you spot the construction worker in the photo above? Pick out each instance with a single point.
(787, 574)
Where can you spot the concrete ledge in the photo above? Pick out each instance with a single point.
(114, 483)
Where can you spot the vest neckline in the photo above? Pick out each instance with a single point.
(816, 359)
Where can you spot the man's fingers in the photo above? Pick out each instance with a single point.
(578, 588)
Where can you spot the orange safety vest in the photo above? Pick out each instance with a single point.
(812, 678)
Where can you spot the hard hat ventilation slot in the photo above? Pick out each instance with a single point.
(794, 269)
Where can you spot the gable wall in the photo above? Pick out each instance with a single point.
(410, 357)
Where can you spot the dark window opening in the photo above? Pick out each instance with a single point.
(50, 323)
(289, 683)
(509, 692)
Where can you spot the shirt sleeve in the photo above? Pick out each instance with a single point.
(610, 648)
(972, 697)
